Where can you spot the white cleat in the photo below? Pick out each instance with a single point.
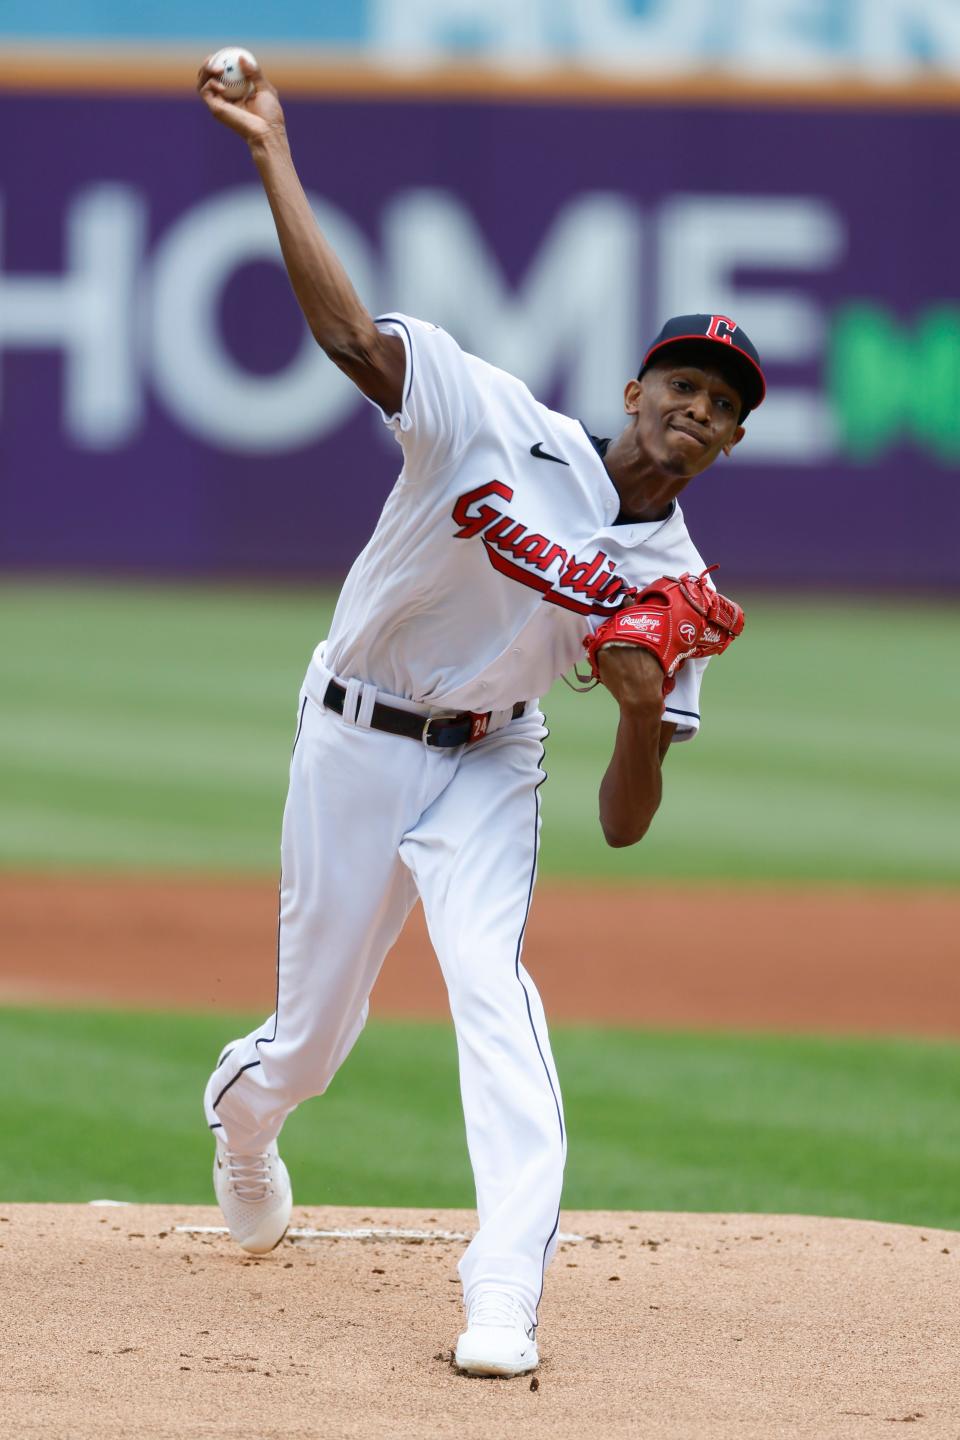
(255, 1196)
(499, 1338)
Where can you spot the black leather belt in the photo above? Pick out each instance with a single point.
(442, 732)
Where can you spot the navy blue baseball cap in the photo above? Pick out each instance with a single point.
(692, 331)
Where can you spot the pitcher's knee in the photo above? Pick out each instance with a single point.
(482, 980)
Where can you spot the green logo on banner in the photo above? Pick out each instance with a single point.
(890, 382)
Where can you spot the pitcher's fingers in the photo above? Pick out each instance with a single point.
(211, 93)
(253, 72)
(205, 72)
(207, 68)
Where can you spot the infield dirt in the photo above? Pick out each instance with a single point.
(678, 1327)
(777, 959)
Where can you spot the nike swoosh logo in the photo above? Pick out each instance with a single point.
(540, 454)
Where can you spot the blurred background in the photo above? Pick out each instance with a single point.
(184, 479)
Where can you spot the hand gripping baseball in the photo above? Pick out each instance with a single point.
(675, 619)
(253, 115)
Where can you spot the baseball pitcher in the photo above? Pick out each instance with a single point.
(513, 545)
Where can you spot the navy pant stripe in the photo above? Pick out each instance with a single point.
(546, 1068)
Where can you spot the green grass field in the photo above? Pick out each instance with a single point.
(107, 1105)
(149, 727)
(145, 726)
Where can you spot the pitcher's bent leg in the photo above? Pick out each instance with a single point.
(474, 858)
(344, 896)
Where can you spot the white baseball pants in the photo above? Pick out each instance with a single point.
(371, 821)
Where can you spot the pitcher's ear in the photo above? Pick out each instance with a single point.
(738, 435)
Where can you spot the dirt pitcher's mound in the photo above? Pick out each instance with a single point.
(668, 1326)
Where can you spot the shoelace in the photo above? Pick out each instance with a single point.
(249, 1175)
(494, 1307)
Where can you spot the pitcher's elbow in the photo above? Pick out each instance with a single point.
(621, 839)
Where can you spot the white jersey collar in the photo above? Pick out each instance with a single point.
(629, 532)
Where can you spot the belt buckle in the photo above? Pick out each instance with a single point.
(443, 718)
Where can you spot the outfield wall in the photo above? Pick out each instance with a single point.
(886, 39)
(162, 408)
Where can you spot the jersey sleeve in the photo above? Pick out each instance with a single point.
(682, 707)
(442, 406)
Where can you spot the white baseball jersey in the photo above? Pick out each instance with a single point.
(497, 548)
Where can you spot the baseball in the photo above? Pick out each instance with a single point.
(235, 84)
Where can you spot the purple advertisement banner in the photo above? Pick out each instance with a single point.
(163, 410)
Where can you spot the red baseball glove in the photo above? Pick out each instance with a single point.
(676, 620)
